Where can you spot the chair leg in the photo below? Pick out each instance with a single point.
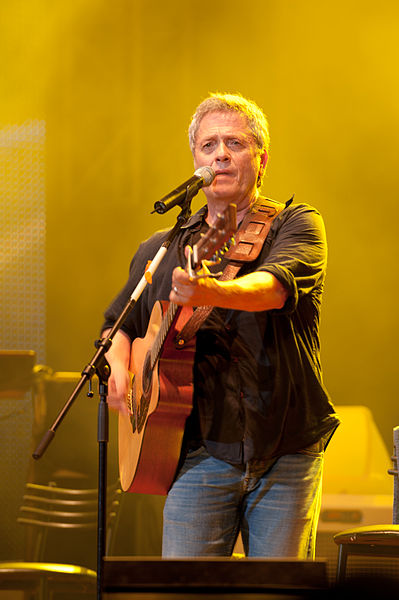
(341, 565)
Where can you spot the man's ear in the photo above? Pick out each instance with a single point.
(263, 161)
(262, 167)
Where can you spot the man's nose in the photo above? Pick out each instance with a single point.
(222, 152)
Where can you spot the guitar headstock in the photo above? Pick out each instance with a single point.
(216, 240)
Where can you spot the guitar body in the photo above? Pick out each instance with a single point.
(150, 437)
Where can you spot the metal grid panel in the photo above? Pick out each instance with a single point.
(22, 235)
(22, 303)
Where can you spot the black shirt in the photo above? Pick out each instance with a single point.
(258, 391)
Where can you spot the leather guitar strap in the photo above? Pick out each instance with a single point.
(249, 242)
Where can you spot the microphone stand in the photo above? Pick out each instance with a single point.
(99, 366)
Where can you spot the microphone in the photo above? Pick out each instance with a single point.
(202, 178)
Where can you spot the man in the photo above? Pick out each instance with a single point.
(253, 450)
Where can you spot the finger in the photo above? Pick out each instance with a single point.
(118, 404)
(179, 277)
(123, 408)
(174, 295)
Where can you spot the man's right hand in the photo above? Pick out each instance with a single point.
(118, 386)
(118, 357)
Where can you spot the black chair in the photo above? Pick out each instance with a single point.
(46, 509)
(373, 540)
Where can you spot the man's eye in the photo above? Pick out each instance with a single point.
(234, 143)
(207, 145)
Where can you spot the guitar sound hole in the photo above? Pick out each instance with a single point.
(147, 375)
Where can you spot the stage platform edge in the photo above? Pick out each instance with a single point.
(217, 575)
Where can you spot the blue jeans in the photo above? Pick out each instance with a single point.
(276, 511)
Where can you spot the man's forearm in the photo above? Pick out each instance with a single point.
(120, 348)
(253, 292)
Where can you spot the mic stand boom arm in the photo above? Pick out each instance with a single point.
(99, 366)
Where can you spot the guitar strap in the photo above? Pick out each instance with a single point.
(249, 242)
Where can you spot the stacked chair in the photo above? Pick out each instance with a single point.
(63, 516)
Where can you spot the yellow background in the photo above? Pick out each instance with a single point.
(116, 83)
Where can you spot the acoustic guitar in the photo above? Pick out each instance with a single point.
(160, 396)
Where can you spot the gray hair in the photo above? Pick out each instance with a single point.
(257, 121)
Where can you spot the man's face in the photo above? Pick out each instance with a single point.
(225, 142)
